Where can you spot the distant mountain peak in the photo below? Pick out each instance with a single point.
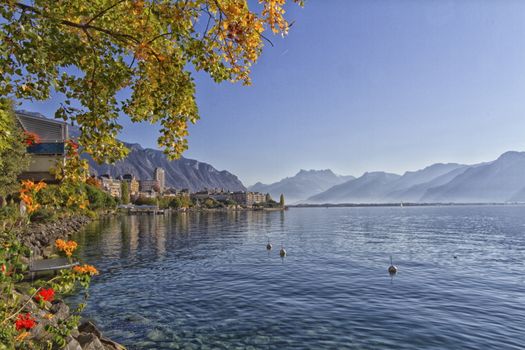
(302, 185)
(511, 155)
(378, 174)
(134, 146)
(314, 171)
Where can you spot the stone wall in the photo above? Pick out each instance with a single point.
(40, 237)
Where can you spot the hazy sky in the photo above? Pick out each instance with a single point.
(368, 85)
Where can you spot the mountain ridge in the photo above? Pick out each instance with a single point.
(302, 185)
(498, 181)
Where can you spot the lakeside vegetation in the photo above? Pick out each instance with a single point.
(182, 202)
(28, 310)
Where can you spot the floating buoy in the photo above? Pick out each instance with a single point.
(269, 245)
(392, 269)
(282, 252)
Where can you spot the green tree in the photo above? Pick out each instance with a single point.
(124, 192)
(90, 51)
(281, 200)
(13, 156)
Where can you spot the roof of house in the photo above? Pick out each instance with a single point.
(48, 130)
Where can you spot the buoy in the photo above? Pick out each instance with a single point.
(392, 269)
(269, 245)
(455, 257)
(282, 252)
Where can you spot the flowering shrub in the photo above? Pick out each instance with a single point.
(86, 269)
(66, 247)
(24, 322)
(45, 295)
(72, 147)
(28, 192)
(22, 309)
(31, 138)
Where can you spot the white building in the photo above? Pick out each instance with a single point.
(160, 176)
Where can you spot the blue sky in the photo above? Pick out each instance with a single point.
(367, 85)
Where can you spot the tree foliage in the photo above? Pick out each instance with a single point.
(124, 192)
(13, 156)
(90, 51)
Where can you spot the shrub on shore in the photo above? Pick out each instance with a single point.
(29, 313)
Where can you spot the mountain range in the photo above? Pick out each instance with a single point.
(498, 181)
(302, 185)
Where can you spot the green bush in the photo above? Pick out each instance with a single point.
(9, 212)
(164, 202)
(57, 196)
(43, 215)
(228, 202)
(211, 203)
(99, 199)
(146, 201)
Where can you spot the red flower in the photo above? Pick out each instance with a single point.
(24, 321)
(30, 138)
(45, 294)
(72, 144)
(5, 271)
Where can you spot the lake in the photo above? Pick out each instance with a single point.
(206, 280)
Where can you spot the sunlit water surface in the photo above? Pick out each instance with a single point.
(206, 281)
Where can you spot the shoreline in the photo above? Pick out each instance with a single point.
(40, 237)
(398, 204)
(151, 211)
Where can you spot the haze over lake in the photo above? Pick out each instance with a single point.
(205, 280)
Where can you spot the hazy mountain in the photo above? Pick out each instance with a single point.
(416, 192)
(304, 184)
(498, 181)
(502, 180)
(413, 184)
(369, 188)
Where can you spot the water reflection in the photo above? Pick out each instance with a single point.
(205, 280)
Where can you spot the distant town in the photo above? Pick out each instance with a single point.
(127, 188)
(149, 191)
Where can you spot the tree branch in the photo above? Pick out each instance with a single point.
(103, 12)
(82, 26)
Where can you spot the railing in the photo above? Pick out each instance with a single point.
(47, 148)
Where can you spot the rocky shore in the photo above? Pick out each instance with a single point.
(40, 238)
(86, 337)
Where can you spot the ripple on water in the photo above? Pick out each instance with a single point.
(206, 281)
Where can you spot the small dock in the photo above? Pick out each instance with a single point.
(143, 209)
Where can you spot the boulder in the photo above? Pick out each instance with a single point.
(60, 309)
(89, 327)
(111, 345)
(89, 341)
(73, 344)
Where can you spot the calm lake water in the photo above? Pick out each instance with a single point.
(206, 281)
